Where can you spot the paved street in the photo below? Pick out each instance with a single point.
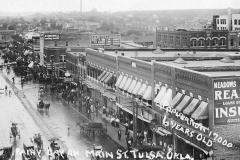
(61, 117)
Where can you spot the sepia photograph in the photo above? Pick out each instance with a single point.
(120, 80)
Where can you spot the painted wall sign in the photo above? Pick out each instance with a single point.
(226, 101)
(105, 40)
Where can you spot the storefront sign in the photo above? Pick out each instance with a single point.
(68, 79)
(226, 101)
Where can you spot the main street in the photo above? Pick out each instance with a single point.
(61, 120)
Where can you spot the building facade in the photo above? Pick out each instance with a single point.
(177, 107)
(206, 39)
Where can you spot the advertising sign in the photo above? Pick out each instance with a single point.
(51, 36)
(226, 93)
(105, 40)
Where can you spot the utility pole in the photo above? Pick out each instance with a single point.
(52, 71)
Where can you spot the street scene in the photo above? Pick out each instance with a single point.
(129, 79)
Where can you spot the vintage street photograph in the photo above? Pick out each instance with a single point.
(120, 80)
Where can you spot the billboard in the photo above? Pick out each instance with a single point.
(51, 36)
(105, 40)
(226, 92)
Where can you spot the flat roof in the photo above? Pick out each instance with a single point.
(223, 73)
(209, 63)
(205, 63)
(173, 53)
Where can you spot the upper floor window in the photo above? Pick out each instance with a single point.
(208, 42)
(217, 21)
(239, 22)
(222, 42)
(62, 58)
(235, 21)
(215, 42)
(193, 42)
(201, 42)
(52, 58)
(232, 42)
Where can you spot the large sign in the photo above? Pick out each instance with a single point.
(51, 36)
(226, 101)
(105, 40)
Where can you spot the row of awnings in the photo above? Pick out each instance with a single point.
(105, 77)
(190, 106)
(98, 88)
(134, 87)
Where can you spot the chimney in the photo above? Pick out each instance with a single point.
(229, 19)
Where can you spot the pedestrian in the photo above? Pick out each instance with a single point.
(22, 84)
(10, 92)
(6, 88)
(119, 135)
(13, 79)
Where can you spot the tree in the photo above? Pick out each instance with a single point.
(4, 25)
(43, 22)
(11, 27)
(34, 19)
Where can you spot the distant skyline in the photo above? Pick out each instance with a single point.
(112, 5)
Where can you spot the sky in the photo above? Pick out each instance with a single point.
(112, 5)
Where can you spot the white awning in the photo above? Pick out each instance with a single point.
(123, 82)
(132, 86)
(127, 85)
(124, 108)
(160, 94)
(148, 93)
(167, 98)
(119, 80)
(191, 107)
(142, 90)
(137, 88)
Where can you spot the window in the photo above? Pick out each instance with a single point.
(193, 42)
(215, 42)
(201, 42)
(55, 44)
(217, 21)
(235, 21)
(184, 41)
(208, 42)
(62, 58)
(239, 22)
(232, 42)
(66, 43)
(52, 58)
(222, 42)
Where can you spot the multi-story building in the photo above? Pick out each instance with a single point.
(206, 39)
(191, 112)
(5, 37)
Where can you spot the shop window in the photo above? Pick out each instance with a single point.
(232, 42)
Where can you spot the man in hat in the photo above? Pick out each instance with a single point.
(119, 135)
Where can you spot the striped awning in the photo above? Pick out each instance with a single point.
(123, 82)
(191, 107)
(119, 80)
(201, 112)
(104, 77)
(103, 73)
(132, 86)
(109, 78)
(160, 95)
(127, 85)
(148, 93)
(183, 103)
(176, 100)
(137, 88)
(142, 90)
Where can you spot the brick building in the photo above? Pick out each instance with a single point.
(176, 106)
(206, 39)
